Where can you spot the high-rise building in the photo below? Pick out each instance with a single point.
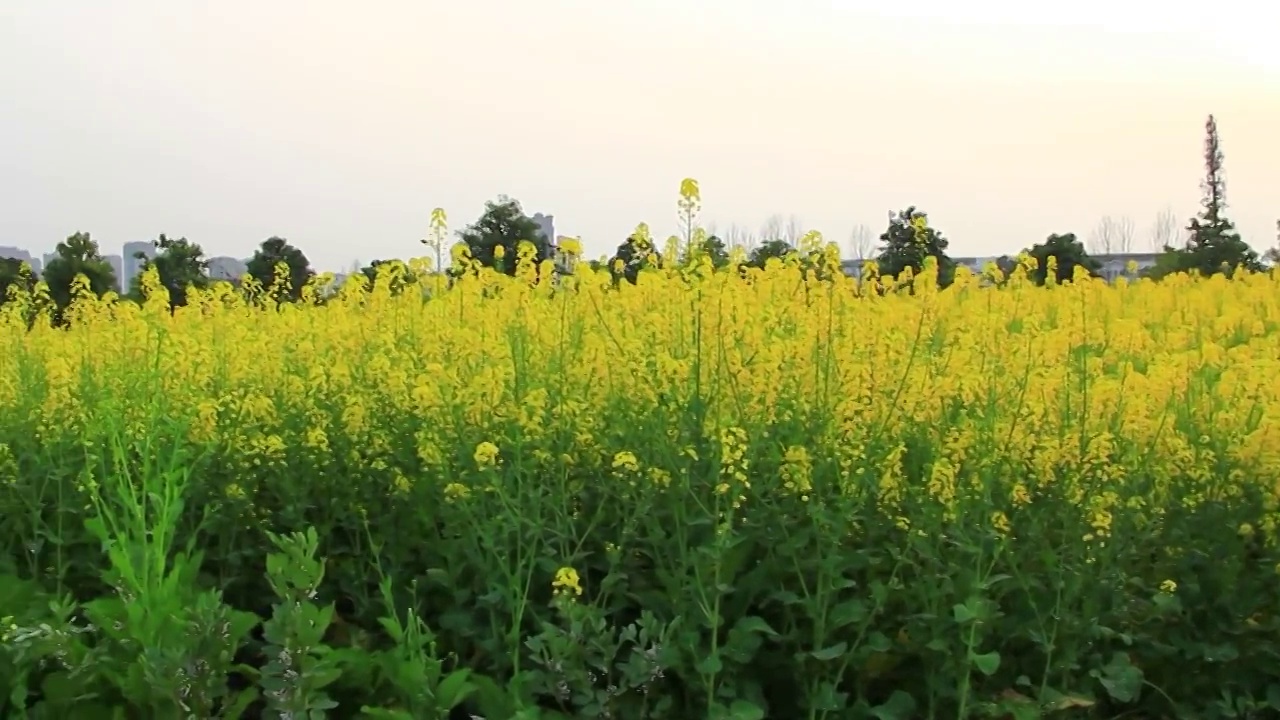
(546, 225)
(117, 268)
(227, 268)
(132, 263)
(14, 253)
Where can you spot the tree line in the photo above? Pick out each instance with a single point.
(503, 234)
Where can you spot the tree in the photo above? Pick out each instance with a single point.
(794, 230)
(1069, 254)
(1272, 256)
(738, 236)
(636, 253)
(776, 248)
(1112, 235)
(16, 274)
(1006, 265)
(772, 228)
(906, 243)
(274, 250)
(77, 255)
(398, 274)
(181, 265)
(1164, 230)
(504, 224)
(1212, 244)
(861, 242)
(712, 247)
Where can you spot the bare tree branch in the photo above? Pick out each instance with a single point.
(1272, 256)
(861, 242)
(1103, 239)
(794, 230)
(772, 228)
(1164, 231)
(737, 236)
(1124, 235)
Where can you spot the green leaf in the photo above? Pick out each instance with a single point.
(832, 652)
(240, 703)
(899, 706)
(849, 612)
(1273, 696)
(743, 710)
(1119, 677)
(754, 624)
(878, 642)
(710, 665)
(993, 580)
(987, 663)
(453, 689)
(963, 614)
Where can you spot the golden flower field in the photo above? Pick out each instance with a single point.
(700, 496)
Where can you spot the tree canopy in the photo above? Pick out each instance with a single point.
(78, 255)
(274, 250)
(17, 274)
(711, 247)
(906, 243)
(775, 248)
(181, 265)
(636, 253)
(396, 273)
(1068, 254)
(504, 225)
(1213, 245)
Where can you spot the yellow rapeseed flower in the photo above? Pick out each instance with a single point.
(566, 582)
(486, 455)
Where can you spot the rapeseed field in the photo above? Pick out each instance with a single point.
(777, 493)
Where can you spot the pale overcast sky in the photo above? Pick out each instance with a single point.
(340, 125)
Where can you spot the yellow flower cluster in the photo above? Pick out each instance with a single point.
(566, 582)
(971, 403)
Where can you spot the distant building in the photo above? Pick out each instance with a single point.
(117, 268)
(132, 264)
(546, 225)
(227, 268)
(13, 253)
(975, 264)
(1113, 266)
(564, 258)
(21, 255)
(1117, 265)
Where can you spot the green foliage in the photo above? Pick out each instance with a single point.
(710, 247)
(906, 243)
(78, 255)
(814, 608)
(504, 224)
(768, 249)
(299, 664)
(274, 250)
(395, 273)
(1006, 266)
(635, 254)
(181, 265)
(16, 274)
(1213, 245)
(1068, 254)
